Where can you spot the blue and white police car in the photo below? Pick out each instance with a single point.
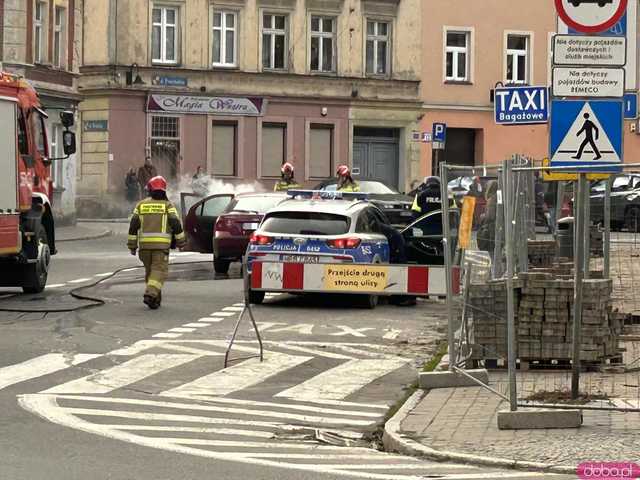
(314, 227)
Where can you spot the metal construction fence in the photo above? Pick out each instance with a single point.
(546, 283)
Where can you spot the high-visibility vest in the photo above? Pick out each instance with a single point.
(283, 186)
(350, 187)
(154, 224)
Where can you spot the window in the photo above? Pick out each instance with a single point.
(517, 59)
(224, 152)
(165, 144)
(274, 42)
(39, 35)
(224, 38)
(56, 152)
(306, 223)
(39, 132)
(321, 151)
(164, 35)
(165, 127)
(378, 48)
(274, 141)
(59, 38)
(457, 56)
(215, 206)
(323, 44)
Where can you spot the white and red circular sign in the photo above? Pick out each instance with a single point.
(591, 16)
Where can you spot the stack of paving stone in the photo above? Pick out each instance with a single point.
(542, 253)
(544, 314)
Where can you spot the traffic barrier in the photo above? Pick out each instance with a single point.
(415, 280)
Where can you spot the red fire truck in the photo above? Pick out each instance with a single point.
(27, 231)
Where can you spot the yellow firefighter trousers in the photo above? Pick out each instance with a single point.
(156, 268)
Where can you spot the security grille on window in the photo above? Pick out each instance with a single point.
(378, 48)
(38, 31)
(274, 140)
(274, 42)
(165, 127)
(164, 41)
(165, 145)
(323, 44)
(517, 58)
(224, 152)
(321, 151)
(224, 38)
(59, 38)
(457, 56)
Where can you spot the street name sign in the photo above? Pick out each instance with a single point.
(588, 82)
(586, 133)
(591, 16)
(521, 105)
(594, 51)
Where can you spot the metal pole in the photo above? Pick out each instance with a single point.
(559, 202)
(497, 268)
(507, 174)
(606, 241)
(578, 280)
(446, 236)
(587, 228)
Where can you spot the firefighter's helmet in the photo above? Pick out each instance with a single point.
(287, 168)
(157, 183)
(343, 171)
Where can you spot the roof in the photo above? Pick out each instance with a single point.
(261, 194)
(336, 207)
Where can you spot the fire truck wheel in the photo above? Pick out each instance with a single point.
(35, 274)
(256, 297)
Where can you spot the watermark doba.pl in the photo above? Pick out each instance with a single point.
(608, 470)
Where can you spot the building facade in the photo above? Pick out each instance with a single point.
(241, 86)
(40, 40)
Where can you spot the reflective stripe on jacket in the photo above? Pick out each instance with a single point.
(154, 224)
(350, 187)
(283, 186)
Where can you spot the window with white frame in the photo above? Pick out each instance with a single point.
(225, 38)
(164, 35)
(378, 51)
(457, 56)
(517, 59)
(323, 44)
(39, 31)
(59, 37)
(274, 41)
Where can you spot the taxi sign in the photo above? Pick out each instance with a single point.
(550, 176)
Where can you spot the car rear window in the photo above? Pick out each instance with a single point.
(306, 223)
(257, 204)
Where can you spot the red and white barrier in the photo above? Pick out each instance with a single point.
(377, 279)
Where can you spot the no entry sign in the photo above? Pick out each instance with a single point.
(591, 16)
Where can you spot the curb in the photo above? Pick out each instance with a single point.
(395, 441)
(93, 236)
(102, 220)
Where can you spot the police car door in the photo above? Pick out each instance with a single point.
(377, 245)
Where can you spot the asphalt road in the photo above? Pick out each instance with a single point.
(120, 392)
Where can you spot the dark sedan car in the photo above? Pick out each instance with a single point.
(625, 202)
(395, 205)
(222, 224)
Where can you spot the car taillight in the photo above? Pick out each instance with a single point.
(344, 243)
(260, 239)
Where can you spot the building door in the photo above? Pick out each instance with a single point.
(376, 154)
(460, 148)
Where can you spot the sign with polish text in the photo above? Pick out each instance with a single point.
(247, 106)
(521, 105)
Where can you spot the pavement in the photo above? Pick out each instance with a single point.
(83, 231)
(122, 392)
(460, 424)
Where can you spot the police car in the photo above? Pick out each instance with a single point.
(320, 227)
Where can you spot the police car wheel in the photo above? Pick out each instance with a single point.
(370, 301)
(221, 266)
(256, 297)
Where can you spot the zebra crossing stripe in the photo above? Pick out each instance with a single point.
(176, 428)
(343, 380)
(246, 374)
(167, 335)
(40, 366)
(124, 374)
(223, 314)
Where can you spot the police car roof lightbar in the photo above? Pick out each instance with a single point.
(327, 195)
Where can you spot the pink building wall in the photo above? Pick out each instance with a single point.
(127, 137)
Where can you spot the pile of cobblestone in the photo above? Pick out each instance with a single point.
(542, 253)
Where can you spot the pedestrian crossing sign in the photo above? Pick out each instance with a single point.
(587, 132)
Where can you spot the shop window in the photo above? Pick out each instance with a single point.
(59, 37)
(39, 31)
(165, 145)
(323, 44)
(164, 35)
(274, 141)
(320, 150)
(274, 42)
(224, 137)
(378, 51)
(224, 45)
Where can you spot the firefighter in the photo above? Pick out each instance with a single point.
(428, 198)
(154, 225)
(346, 183)
(287, 181)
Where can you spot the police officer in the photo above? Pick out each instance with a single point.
(153, 226)
(346, 183)
(287, 181)
(428, 198)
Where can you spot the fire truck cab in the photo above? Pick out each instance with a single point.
(27, 230)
